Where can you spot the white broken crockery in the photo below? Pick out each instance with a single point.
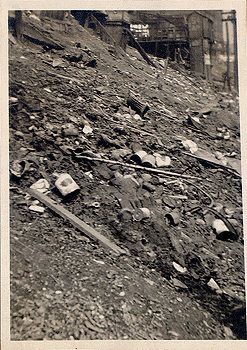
(190, 146)
(42, 185)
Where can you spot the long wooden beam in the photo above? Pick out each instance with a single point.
(139, 48)
(75, 221)
(139, 167)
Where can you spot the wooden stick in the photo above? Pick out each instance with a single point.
(75, 221)
(137, 130)
(157, 171)
(231, 170)
(118, 48)
(140, 131)
(207, 194)
(139, 48)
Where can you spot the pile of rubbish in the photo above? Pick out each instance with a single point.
(145, 163)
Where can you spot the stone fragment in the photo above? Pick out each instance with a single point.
(37, 208)
(213, 285)
(178, 284)
(179, 268)
(89, 325)
(174, 334)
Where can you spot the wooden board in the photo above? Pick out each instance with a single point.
(75, 221)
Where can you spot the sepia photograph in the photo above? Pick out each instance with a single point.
(125, 183)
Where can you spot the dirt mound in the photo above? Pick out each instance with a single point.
(69, 113)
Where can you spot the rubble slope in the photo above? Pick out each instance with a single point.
(69, 113)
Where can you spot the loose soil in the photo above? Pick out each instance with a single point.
(64, 285)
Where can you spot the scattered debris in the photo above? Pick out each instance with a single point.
(115, 146)
(37, 208)
(75, 221)
(19, 167)
(168, 173)
(42, 185)
(213, 285)
(65, 184)
(212, 159)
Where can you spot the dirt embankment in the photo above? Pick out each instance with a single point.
(179, 279)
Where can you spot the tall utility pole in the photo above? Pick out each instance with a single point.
(228, 58)
(233, 19)
(18, 25)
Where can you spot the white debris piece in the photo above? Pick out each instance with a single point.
(190, 146)
(87, 130)
(161, 160)
(179, 268)
(213, 285)
(41, 185)
(37, 208)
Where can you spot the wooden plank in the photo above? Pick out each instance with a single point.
(75, 221)
(151, 170)
(139, 48)
(35, 34)
(209, 158)
(118, 48)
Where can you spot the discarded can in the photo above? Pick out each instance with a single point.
(136, 147)
(173, 217)
(148, 186)
(148, 161)
(66, 185)
(222, 231)
(19, 167)
(137, 106)
(141, 213)
(125, 214)
(138, 156)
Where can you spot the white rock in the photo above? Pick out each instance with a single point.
(87, 130)
(162, 161)
(213, 285)
(37, 208)
(179, 268)
(137, 117)
(190, 146)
